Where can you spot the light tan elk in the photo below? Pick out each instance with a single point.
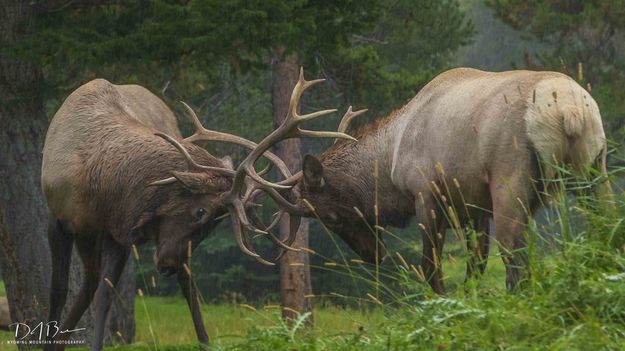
(112, 179)
(467, 147)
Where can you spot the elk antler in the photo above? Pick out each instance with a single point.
(192, 163)
(290, 128)
(347, 119)
(233, 199)
(285, 206)
(203, 134)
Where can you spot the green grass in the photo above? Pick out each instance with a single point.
(229, 325)
(574, 301)
(171, 321)
(3, 291)
(226, 324)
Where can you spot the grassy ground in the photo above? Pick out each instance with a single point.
(164, 323)
(575, 301)
(169, 320)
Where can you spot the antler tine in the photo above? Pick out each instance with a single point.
(282, 244)
(204, 134)
(239, 209)
(298, 90)
(289, 129)
(272, 237)
(292, 179)
(240, 221)
(319, 134)
(256, 219)
(347, 118)
(293, 119)
(258, 258)
(250, 171)
(294, 223)
(165, 181)
(195, 119)
(256, 189)
(280, 200)
(238, 235)
(190, 160)
(251, 193)
(294, 218)
(265, 170)
(275, 221)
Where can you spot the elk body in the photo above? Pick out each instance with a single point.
(100, 153)
(116, 173)
(470, 143)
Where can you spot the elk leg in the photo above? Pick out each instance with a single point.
(433, 239)
(509, 217)
(193, 301)
(114, 257)
(91, 260)
(61, 244)
(478, 249)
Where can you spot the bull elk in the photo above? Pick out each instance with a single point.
(112, 180)
(466, 148)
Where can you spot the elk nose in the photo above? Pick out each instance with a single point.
(167, 271)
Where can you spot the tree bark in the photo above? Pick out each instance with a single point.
(294, 266)
(24, 252)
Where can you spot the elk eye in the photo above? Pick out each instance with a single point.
(200, 213)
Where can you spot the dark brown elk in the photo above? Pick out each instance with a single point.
(112, 179)
(466, 148)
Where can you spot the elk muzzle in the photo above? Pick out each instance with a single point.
(167, 258)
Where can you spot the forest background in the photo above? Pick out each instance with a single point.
(219, 57)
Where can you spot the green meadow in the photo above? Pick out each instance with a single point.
(164, 323)
(574, 300)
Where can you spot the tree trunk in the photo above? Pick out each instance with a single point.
(24, 252)
(295, 279)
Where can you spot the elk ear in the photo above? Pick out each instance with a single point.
(313, 171)
(199, 183)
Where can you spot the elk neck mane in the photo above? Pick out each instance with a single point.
(362, 132)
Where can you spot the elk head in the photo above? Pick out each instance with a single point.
(327, 199)
(231, 191)
(337, 208)
(188, 209)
